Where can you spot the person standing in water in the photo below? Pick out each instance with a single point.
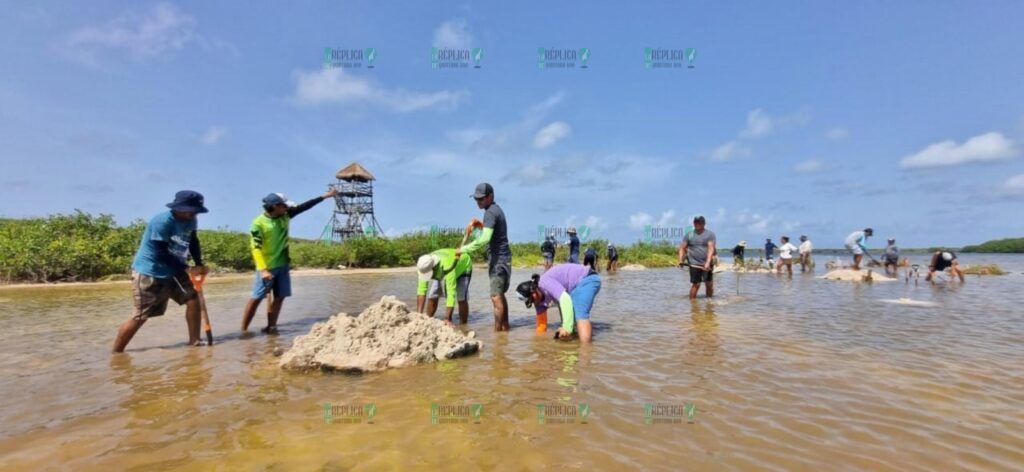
(806, 248)
(268, 240)
(737, 254)
(574, 246)
(441, 274)
(769, 252)
(160, 270)
(698, 248)
(891, 258)
(499, 263)
(786, 256)
(856, 243)
(573, 287)
(941, 261)
(613, 258)
(547, 251)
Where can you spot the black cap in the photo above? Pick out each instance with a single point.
(699, 218)
(188, 200)
(869, 231)
(483, 190)
(525, 292)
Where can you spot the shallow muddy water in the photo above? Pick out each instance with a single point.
(790, 374)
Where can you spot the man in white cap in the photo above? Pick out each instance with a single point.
(806, 248)
(440, 273)
(941, 261)
(574, 245)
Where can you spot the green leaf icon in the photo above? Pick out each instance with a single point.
(690, 410)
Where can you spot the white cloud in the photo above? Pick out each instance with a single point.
(213, 135)
(987, 147)
(837, 133)
(453, 34)
(334, 86)
(758, 124)
(808, 166)
(639, 220)
(1014, 186)
(729, 151)
(594, 222)
(508, 136)
(550, 134)
(151, 34)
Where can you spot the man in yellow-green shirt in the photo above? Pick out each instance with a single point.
(440, 273)
(268, 239)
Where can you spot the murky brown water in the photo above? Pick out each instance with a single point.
(798, 374)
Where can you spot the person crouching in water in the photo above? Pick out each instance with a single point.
(441, 274)
(573, 287)
(941, 261)
(737, 254)
(891, 257)
(590, 259)
(613, 258)
(786, 256)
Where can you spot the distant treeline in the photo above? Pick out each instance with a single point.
(998, 245)
(83, 247)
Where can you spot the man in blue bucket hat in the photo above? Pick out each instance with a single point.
(160, 271)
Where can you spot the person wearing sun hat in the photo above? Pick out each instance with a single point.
(268, 241)
(574, 245)
(737, 253)
(441, 274)
(160, 269)
(573, 287)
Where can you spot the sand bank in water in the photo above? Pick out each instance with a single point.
(633, 267)
(910, 302)
(384, 335)
(863, 275)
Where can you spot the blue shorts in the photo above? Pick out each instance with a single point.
(583, 296)
(281, 284)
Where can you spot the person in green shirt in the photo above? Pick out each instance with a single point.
(268, 239)
(440, 273)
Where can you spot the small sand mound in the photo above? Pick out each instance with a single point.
(863, 275)
(384, 335)
(633, 267)
(910, 302)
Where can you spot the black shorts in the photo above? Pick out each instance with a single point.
(151, 294)
(699, 275)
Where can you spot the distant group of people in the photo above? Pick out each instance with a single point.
(549, 247)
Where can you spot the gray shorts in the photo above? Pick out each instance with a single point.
(150, 294)
(437, 289)
(501, 275)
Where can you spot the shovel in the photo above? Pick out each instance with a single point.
(197, 282)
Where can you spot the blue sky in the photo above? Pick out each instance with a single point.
(797, 118)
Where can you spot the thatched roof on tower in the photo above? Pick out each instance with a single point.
(355, 171)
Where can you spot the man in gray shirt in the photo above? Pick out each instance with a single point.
(698, 247)
(495, 235)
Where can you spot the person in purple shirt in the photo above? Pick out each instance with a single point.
(573, 287)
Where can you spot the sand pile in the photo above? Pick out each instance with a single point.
(863, 275)
(384, 335)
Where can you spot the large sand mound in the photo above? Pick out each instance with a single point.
(384, 335)
(863, 275)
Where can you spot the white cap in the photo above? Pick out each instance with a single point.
(947, 256)
(425, 266)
